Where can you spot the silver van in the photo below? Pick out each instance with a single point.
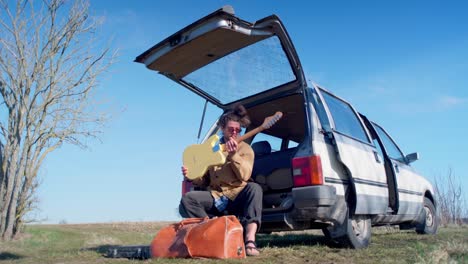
(323, 165)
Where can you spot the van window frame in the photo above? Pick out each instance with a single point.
(390, 141)
(353, 111)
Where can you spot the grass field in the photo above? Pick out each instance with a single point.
(87, 243)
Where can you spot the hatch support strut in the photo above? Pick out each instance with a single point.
(201, 122)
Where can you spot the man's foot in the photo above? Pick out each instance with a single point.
(251, 248)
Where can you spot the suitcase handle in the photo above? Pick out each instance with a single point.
(189, 221)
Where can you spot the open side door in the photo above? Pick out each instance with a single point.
(393, 199)
(225, 59)
(357, 154)
(408, 184)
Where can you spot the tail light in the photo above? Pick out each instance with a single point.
(307, 171)
(186, 187)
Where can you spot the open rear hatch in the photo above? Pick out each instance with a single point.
(225, 59)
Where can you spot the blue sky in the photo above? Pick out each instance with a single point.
(404, 65)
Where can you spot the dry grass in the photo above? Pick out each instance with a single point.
(88, 242)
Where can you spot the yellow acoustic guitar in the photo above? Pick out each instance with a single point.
(198, 158)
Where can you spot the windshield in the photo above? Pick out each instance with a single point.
(248, 71)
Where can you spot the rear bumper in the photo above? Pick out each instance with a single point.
(314, 196)
(309, 207)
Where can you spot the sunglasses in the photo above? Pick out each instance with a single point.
(234, 129)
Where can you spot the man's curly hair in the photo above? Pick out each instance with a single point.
(237, 114)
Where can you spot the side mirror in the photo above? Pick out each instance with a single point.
(412, 157)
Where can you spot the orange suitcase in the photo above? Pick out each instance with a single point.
(220, 237)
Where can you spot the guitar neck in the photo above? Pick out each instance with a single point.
(249, 134)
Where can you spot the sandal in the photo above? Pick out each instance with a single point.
(251, 250)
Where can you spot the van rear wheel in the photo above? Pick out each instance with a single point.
(358, 233)
(355, 232)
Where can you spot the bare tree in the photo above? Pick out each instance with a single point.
(50, 61)
(450, 200)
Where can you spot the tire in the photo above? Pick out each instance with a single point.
(430, 221)
(327, 234)
(358, 233)
(355, 233)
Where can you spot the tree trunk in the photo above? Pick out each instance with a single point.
(9, 210)
(48, 73)
(11, 216)
(11, 178)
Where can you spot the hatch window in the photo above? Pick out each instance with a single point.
(248, 71)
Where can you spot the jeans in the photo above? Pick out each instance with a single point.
(247, 206)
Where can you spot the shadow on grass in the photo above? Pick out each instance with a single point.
(101, 249)
(284, 241)
(119, 251)
(9, 256)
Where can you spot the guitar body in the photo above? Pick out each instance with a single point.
(199, 157)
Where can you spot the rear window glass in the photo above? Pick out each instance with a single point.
(249, 71)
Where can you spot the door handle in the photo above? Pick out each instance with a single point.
(396, 167)
(377, 157)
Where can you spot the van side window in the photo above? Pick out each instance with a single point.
(346, 120)
(292, 144)
(318, 105)
(379, 149)
(390, 147)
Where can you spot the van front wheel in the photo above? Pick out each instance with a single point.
(430, 221)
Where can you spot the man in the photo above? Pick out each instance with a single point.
(228, 186)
